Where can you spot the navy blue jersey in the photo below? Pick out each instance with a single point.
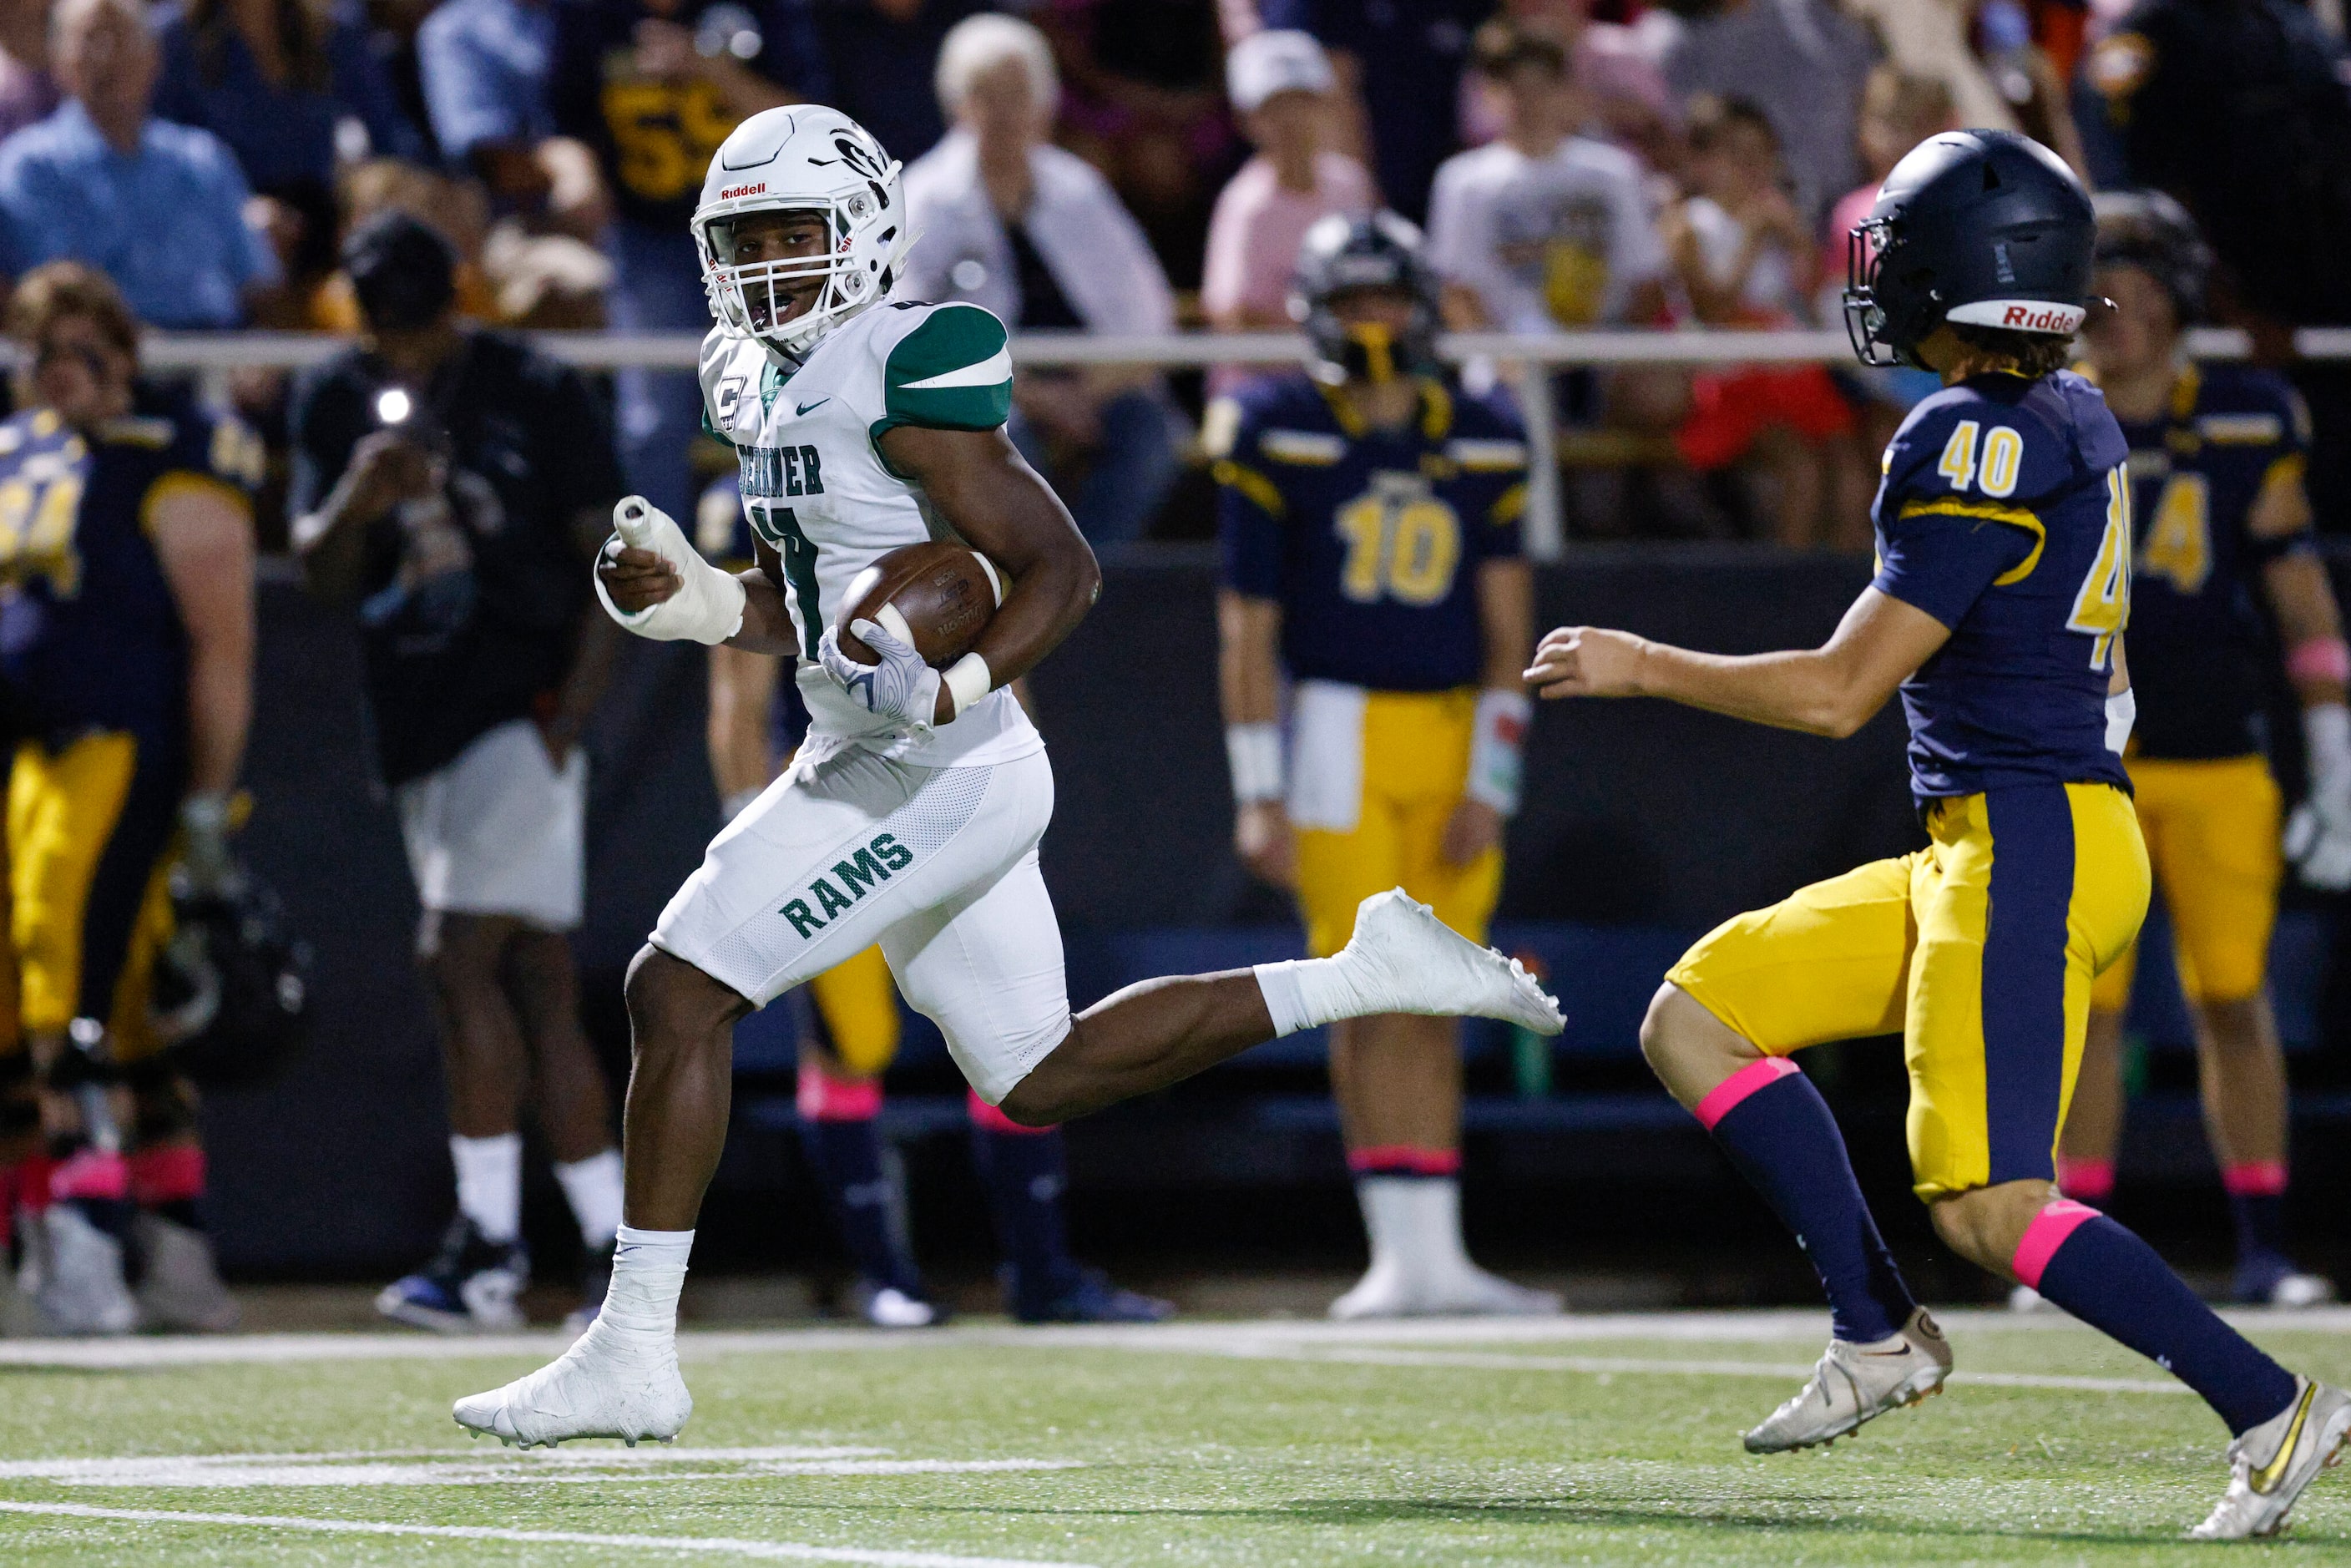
(2199, 644)
(1369, 539)
(2005, 515)
(91, 636)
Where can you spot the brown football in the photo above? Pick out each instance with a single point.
(944, 593)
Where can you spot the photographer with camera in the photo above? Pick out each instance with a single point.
(453, 485)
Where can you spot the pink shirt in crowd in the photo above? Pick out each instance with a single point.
(1254, 234)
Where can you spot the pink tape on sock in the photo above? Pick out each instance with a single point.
(988, 1119)
(2092, 1181)
(2254, 1179)
(824, 1098)
(90, 1174)
(1404, 1159)
(2319, 659)
(2048, 1231)
(172, 1174)
(1725, 1096)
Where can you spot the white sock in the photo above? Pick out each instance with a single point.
(489, 1184)
(648, 1273)
(1413, 1220)
(593, 1186)
(1306, 993)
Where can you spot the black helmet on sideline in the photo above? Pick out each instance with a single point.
(1382, 251)
(232, 990)
(1982, 228)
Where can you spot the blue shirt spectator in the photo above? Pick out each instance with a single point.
(282, 129)
(158, 207)
(485, 68)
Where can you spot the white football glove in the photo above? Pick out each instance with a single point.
(2318, 836)
(707, 606)
(902, 688)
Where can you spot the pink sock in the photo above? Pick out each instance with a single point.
(173, 1173)
(824, 1098)
(2254, 1179)
(1404, 1159)
(988, 1119)
(2091, 1181)
(90, 1173)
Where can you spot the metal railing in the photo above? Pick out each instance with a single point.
(218, 354)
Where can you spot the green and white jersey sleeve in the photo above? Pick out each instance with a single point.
(944, 367)
(731, 370)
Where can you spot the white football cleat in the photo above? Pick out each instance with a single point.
(78, 1284)
(2269, 1466)
(605, 1386)
(2298, 1292)
(180, 1290)
(1390, 1290)
(1405, 960)
(2026, 1299)
(1858, 1383)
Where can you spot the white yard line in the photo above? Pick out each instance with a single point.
(770, 1550)
(1808, 1327)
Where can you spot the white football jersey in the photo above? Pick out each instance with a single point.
(816, 489)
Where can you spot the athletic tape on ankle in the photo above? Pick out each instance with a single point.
(1725, 1096)
(2254, 1179)
(2089, 1180)
(988, 1119)
(1404, 1160)
(824, 1098)
(2049, 1232)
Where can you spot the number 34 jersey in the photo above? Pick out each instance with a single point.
(1369, 539)
(2199, 645)
(2005, 515)
(817, 491)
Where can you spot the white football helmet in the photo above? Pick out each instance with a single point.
(803, 159)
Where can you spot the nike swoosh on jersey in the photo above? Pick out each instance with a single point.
(2265, 1480)
(997, 366)
(805, 407)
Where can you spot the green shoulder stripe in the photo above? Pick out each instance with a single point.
(952, 373)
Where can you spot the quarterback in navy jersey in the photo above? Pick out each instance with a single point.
(2005, 539)
(2225, 544)
(1368, 521)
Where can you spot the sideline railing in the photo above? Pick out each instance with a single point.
(219, 353)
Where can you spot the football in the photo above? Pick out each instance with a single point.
(937, 596)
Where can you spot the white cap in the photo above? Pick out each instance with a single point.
(1280, 60)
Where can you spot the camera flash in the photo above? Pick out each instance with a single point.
(393, 406)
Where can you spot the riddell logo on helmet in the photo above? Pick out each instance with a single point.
(2021, 316)
(730, 196)
(2036, 320)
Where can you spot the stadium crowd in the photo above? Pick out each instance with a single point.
(421, 174)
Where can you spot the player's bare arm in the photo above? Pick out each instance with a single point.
(203, 538)
(978, 482)
(2297, 587)
(1248, 687)
(1830, 690)
(1506, 619)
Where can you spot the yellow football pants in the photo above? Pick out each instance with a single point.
(2211, 832)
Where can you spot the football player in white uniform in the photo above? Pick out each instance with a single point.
(911, 814)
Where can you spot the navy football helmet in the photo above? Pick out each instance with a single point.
(1382, 251)
(1984, 228)
(2150, 230)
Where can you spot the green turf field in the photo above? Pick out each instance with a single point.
(1589, 1440)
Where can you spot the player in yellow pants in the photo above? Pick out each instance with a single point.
(849, 1038)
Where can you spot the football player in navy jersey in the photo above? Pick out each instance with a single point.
(2224, 531)
(2003, 587)
(1369, 520)
(126, 687)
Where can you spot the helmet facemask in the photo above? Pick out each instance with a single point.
(1865, 320)
(752, 298)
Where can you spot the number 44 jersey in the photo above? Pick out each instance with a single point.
(2005, 515)
(817, 491)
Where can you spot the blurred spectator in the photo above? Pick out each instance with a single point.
(1802, 62)
(1542, 229)
(1144, 101)
(1745, 258)
(654, 86)
(277, 81)
(450, 488)
(483, 64)
(27, 91)
(1982, 52)
(1628, 101)
(1898, 110)
(1405, 58)
(881, 53)
(160, 208)
(1281, 83)
(1035, 234)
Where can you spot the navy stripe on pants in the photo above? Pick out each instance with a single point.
(2025, 933)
